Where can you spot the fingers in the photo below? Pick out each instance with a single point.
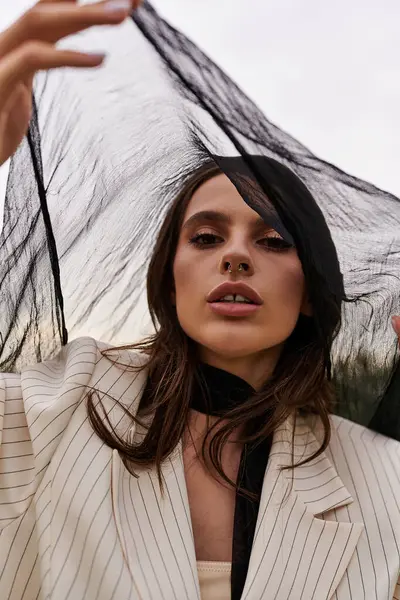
(21, 64)
(52, 21)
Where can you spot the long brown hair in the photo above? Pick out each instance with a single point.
(299, 382)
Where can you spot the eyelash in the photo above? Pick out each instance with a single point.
(275, 244)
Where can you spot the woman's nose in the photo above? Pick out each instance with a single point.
(236, 264)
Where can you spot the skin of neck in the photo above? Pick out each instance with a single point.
(255, 368)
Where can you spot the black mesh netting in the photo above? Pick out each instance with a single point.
(106, 152)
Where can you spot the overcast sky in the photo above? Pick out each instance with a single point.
(327, 72)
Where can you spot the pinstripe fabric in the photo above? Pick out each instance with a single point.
(76, 525)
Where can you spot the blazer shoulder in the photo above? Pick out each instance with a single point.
(36, 406)
(73, 365)
(365, 442)
(52, 390)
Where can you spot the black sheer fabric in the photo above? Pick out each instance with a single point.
(215, 393)
(106, 153)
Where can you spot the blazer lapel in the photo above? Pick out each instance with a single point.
(295, 554)
(155, 532)
(154, 529)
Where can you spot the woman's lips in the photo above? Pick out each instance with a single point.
(233, 309)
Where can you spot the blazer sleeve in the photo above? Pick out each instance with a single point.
(35, 409)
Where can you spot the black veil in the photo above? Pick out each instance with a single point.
(105, 155)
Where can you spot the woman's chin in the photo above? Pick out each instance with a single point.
(231, 346)
(233, 340)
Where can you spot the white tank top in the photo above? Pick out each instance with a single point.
(215, 580)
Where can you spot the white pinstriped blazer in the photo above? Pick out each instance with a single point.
(76, 525)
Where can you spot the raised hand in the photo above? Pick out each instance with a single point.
(28, 46)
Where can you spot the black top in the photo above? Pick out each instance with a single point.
(215, 393)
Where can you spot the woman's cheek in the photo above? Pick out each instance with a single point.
(186, 276)
(186, 279)
(284, 286)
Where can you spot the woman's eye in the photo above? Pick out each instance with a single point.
(276, 244)
(205, 239)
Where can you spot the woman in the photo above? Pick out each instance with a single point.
(119, 467)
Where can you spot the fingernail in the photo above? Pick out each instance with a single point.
(396, 324)
(118, 6)
(98, 55)
(96, 58)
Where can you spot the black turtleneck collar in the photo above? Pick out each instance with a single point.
(216, 391)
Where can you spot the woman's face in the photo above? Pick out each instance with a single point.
(219, 230)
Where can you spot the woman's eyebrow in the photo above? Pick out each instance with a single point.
(208, 216)
(219, 217)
